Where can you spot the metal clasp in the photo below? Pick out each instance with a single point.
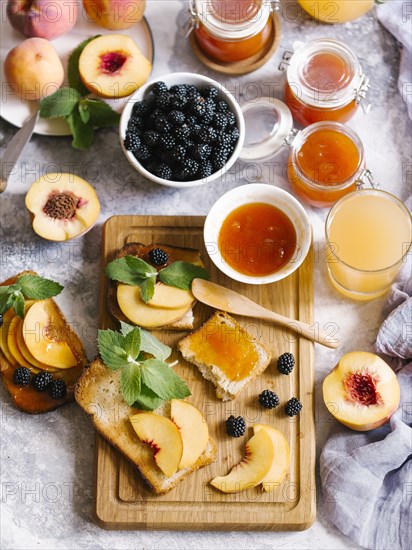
(360, 94)
(290, 138)
(286, 57)
(275, 5)
(193, 21)
(366, 178)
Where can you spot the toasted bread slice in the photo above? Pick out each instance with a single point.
(175, 254)
(226, 354)
(98, 393)
(26, 398)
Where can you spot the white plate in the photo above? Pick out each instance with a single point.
(17, 111)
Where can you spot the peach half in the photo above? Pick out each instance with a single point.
(63, 206)
(112, 66)
(115, 14)
(362, 391)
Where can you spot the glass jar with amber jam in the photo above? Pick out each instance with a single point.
(324, 81)
(229, 31)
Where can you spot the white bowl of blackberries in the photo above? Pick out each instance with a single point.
(182, 130)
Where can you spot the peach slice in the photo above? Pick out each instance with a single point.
(112, 66)
(169, 297)
(63, 206)
(21, 344)
(362, 391)
(281, 459)
(7, 318)
(45, 335)
(193, 429)
(133, 307)
(164, 438)
(12, 343)
(115, 14)
(254, 467)
(33, 69)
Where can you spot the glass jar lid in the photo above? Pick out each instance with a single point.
(325, 73)
(233, 19)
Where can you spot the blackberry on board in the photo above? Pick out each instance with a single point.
(235, 426)
(42, 381)
(58, 389)
(158, 256)
(293, 407)
(21, 376)
(285, 363)
(269, 399)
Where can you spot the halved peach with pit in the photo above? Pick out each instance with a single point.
(362, 391)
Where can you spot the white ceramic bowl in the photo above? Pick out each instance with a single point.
(268, 194)
(200, 82)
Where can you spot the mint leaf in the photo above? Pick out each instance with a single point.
(150, 344)
(147, 289)
(17, 302)
(83, 134)
(73, 74)
(132, 343)
(181, 274)
(100, 114)
(38, 288)
(130, 382)
(147, 400)
(110, 345)
(5, 299)
(59, 104)
(129, 270)
(84, 112)
(161, 379)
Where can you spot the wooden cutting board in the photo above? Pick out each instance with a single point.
(122, 499)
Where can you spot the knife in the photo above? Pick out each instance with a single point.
(14, 149)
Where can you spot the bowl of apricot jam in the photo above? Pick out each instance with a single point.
(257, 234)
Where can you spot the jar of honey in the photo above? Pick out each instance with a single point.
(229, 31)
(324, 81)
(326, 159)
(338, 11)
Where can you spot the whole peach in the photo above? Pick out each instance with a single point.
(115, 14)
(33, 69)
(42, 18)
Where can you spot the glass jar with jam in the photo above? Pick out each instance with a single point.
(229, 31)
(324, 81)
(326, 159)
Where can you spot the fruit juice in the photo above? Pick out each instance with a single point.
(324, 73)
(368, 235)
(257, 239)
(325, 165)
(336, 11)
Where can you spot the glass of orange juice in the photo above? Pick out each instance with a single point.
(368, 236)
(336, 11)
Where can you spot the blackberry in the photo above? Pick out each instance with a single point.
(158, 256)
(236, 427)
(150, 138)
(219, 121)
(58, 389)
(159, 88)
(178, 153)
(179, 90)
(142, 153)
(293, 407)
(269, 399)
(208, 135)
(163, 100)
(191, 120)
(167, 141)
(163, 125)
(234, 135)
(178, 102)
(223, 140)
(176, 117)
(1, 320)
(197, 107)
(286, 362)
(182, 134)
(41, 381)
(132, 141)
(141, 108)
(21, 376)
(192, 92)
(195, 130)
(218, 161)
(211, 91)
(163, 171)
(222, 107)
(231, 119)
(205, 169)
(187, 169)
(201, 152)
(135, 123)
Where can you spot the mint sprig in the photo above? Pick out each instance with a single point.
(83, 114)
(32, 287)
(136, 272)
(144, 382)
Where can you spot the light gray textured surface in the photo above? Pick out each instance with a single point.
(47, 461)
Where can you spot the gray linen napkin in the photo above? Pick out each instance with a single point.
(367, 477)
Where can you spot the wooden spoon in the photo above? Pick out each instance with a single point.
(222, 298)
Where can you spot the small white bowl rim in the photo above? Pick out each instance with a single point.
(303, 246)
(139, 94)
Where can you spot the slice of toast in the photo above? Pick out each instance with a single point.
(174, 253)
(226, 354)
(98, 393)
(26, 398)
